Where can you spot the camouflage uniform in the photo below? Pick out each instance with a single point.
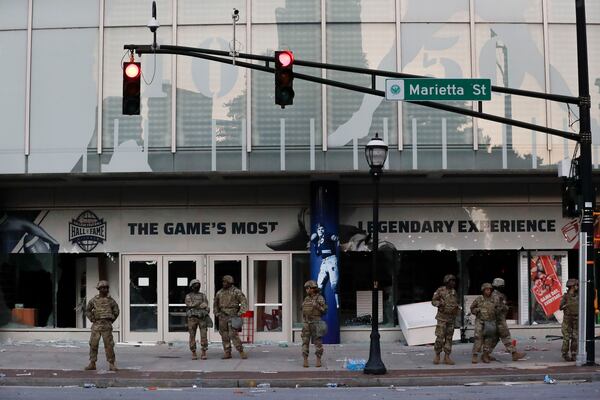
(446, 301)
(197, 317)
(230, 302)
(484, 309)
(102, 311)
(503, 333)
(313, 308)
(570, 329)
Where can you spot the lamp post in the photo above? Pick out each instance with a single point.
(376, 153)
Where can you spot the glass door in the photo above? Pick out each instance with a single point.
(220, 266)
(142, 319)
(269, 298)
(178, 272)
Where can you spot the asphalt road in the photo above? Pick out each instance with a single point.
(527, 391)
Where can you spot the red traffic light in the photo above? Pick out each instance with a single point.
(132, 70)
(285, 58)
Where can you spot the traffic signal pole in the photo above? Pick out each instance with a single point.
(587, 191)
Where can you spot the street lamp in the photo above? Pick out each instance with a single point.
(376, 153)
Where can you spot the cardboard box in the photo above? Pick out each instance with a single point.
(25, 316)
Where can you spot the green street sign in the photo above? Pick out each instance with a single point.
(422, 89)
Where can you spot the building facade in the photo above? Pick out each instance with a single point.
(213, 178)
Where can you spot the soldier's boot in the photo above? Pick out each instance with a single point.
(566, 357)
(436, 358)
(91, 366)
(474, 359)
(448, 360)
(194, 355)
(203, 355)
(112, 367)
(305, 365)
(318, 363)
(243, 355)
(517, 355)
(485, 357)
(226, 355)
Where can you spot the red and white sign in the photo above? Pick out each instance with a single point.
(545, 283)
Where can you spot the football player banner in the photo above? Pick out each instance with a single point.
(545, 284)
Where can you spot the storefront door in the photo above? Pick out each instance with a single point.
(270, 294)
(154, 296)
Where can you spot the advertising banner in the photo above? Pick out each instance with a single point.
(545, 283)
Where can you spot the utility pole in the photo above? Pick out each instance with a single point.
(587, 191)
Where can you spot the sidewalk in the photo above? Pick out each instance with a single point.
(280, 365)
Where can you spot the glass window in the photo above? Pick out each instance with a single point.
(508, 11)
(442, 51)
(13, 48)
(594, 65)
(268, 303)
(500, 49)
(563, 80)
(361, 11)
(355, 117)
(194, 12)
(356, 284)
(45, 290)
(434, 10)
(137, 12)
(211, 102)
(268, 119)
(300, 274)
(64, 95)
(139, 142)
(14, 14)
(483, 267)
(281, 11)
(65, 13)
(564, 11)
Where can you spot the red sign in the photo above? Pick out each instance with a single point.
(545, 284)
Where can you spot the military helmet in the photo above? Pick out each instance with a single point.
(228, 278)
(102, 283)
(194, 281)
(498, 282)
(310, 284)
(448, 278)
(486, 286)
(572, 282)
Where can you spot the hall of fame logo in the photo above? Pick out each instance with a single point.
(87, 231)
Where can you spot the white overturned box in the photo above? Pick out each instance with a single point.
(418, 322)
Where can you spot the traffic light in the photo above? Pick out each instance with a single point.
(132, 73)
(284, 78)
(571, 197)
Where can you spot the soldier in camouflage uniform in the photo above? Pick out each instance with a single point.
(446, 301)
(102, 310)
(313, 308)
(197, 311)
(229, 302)
(503, 333)
(570, 306)
(484, 309)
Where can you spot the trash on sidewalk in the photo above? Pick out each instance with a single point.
(89, 385)
(2, 375)
(258, 391)
(356, 364)
(548, 379)
(268, 372)
(27, 374)
(152, 388)
(283, 344)
(332, 385)
(263, 385)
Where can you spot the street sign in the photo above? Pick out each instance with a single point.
(421, 89)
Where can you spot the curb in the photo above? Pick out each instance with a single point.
(357, 380)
